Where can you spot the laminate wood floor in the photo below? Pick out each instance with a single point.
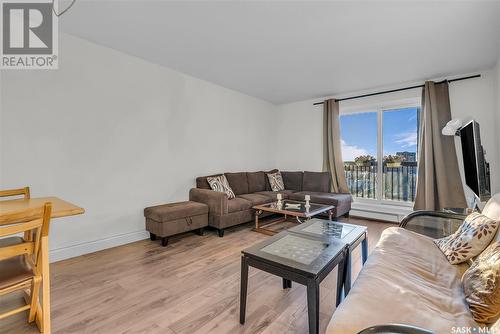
(190, 286)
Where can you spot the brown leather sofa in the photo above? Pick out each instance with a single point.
(408, 280)
(253, 188)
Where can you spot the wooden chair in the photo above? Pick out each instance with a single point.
(16, 192)
(24, 263)
(25, 192)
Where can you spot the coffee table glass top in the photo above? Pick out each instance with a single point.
(329, 230)
(294, 207)
(296, 248)
(300, 252)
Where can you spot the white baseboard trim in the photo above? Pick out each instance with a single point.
(96, 245)
(376, 215)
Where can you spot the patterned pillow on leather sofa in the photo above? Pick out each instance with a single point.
(482, 285)
(473, 236)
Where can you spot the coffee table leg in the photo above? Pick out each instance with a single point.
(341, 277)
(257, 214)
(256, 220)
(347, 280)
(243, 288)
(287, 284)
(330, 215)
(364, 248)
(313, 306)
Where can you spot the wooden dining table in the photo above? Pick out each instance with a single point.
(60, 208)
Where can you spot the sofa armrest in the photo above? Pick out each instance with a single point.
(395, 328)
(435, 224)
(216, 201)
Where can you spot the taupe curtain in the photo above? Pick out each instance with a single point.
(332, 150)
(438, 184)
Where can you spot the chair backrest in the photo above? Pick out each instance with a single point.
(16, 192)
(36, 221)
(492, 210)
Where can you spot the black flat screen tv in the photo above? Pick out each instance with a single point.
(476, 169)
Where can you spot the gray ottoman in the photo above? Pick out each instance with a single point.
(174, 218)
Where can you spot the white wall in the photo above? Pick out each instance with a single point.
(114, 134)
(300, 126)
(497, 92)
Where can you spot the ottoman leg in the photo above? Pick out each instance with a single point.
(201, 231)
(164, 241)
(221, 233)
(152, 236)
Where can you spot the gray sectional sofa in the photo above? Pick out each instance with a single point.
(253, 188)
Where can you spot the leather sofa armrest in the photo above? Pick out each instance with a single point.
(435, 224)
(216, 201)
(395, 328)
(437, 214)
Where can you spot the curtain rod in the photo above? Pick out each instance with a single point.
(399, 89)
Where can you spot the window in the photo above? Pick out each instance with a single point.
(359, 134)
(379, 148)
(400, 153)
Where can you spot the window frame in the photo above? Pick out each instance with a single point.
(379, 108)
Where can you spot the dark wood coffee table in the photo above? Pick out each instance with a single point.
(300, 258)
(350, 234)
(301, 213)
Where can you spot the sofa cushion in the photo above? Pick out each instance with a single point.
(276, 181)
(323, 198)
(220, 184)
(202, 183)
(256, 181)
(316, 181)
(471, 238)
(256, 199)
(482, 285)
(238, 204)
(292, 180)
(238, 182)
(272, 194)
(405, 280)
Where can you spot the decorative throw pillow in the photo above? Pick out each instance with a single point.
(472, 237)
(276, 181)
(220, 184)
(482, 285)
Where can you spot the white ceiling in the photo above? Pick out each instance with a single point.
(284, 51)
